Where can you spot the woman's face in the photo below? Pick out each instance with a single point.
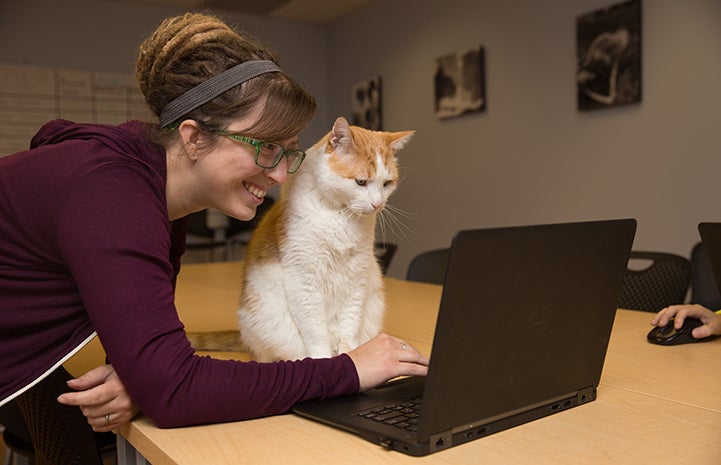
(229, 179)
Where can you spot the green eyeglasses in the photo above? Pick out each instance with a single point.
(268, 154)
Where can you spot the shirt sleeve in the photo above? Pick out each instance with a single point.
(114, 235)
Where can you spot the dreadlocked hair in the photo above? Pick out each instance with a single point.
(187, 50)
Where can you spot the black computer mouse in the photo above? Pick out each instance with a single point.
(670, 336)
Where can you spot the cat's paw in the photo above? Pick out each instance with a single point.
(320, 353)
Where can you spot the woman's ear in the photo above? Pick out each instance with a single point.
(190, 134)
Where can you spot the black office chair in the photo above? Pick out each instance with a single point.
(226, 234)
(202, 237)
(17, 439)
(429, 267)
(59, 434)
(704, 289)
(384, 254)
(664, 282)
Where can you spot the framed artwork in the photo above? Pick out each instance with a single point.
(459, 83)
(609, 56)
(366, 104)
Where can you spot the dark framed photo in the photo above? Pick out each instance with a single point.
(609, 56)
(366, 104)
(459, 83)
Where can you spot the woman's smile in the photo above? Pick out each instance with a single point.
(257, 192)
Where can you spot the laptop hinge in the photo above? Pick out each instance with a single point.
(441, 440)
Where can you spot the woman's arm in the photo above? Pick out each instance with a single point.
(104, 401)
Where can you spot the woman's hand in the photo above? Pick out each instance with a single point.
(711, 321)
(102, 398)
(385, 357)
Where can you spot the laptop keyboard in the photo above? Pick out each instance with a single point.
(402, 415)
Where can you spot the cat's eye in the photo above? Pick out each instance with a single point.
(361, 182)
(387, 183)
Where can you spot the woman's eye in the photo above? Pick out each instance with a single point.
(361, 182)
(270, 147)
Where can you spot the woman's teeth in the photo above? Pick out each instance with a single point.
(256, 191)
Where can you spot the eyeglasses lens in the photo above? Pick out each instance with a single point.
(295, 158)
(269, 155)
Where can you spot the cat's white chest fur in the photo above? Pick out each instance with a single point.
(323, 296)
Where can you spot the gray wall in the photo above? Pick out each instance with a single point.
(530, 158)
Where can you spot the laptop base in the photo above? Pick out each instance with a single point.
(396, 439)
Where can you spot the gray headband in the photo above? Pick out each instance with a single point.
(213, 87)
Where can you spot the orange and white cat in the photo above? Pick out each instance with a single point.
(312, 286)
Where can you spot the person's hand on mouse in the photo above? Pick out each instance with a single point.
(711, 321)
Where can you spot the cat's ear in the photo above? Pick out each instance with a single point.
(398, 140)
(341, 138)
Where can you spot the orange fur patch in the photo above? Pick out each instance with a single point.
(367, 145)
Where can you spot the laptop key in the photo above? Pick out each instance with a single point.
(388, 416)
(395, 420)
(402, 415)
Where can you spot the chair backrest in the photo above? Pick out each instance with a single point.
(384, 253)
(221, 235)
(429, 267)
(15, 433)
(60, 433)
(237, 227)
(198, 225)
(704, 290)
(664, 282)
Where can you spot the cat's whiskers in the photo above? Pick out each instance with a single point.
(400, 212)
(381, 223)
(349, 212)
(391, 218)
(402, 171)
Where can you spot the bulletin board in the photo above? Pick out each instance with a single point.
(30, 96)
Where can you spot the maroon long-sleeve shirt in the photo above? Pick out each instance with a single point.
(86, 245)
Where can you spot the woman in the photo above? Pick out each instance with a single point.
(92, 226)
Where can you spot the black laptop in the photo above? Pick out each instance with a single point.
(522, 332)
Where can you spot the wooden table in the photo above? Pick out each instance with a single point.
(655, 405)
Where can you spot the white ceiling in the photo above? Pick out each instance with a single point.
(317, 11)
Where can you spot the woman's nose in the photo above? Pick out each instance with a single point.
(279, 173)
